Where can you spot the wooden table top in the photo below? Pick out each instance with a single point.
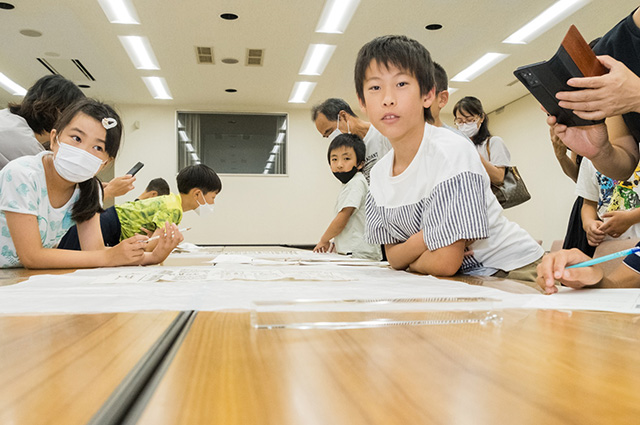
(536, 367)
(61, 368)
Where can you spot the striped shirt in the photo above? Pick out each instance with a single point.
(445, 192)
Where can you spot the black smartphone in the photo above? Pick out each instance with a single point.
(574, 58)
(135, 169)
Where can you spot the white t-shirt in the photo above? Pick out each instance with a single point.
(500, 156)
(611, 195)
(377, 146)
(351, 239)
(445, 192)
(16, 138)
(23, 189)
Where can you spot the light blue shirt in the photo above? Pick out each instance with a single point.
(23, 189)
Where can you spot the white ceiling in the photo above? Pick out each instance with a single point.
(78, 29)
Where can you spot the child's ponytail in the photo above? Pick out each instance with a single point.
(88, 203)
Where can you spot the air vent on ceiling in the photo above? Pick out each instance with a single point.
(255, 57)
(204, 55)
(71, 69)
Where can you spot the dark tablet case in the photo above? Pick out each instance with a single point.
(574, 58)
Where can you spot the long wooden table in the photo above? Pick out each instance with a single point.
(533, 367)
(536, 367)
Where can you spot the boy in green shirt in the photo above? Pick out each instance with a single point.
(198, 186)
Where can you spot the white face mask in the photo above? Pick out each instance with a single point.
(469, 129)
(204, 209)
(74, 164)
(335, 133)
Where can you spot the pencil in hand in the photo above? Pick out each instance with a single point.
(153, 238)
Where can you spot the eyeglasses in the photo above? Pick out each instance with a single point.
(466, 120)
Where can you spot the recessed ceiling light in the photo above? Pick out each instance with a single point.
(479, 66)
(316, 59)
(6, 6)
(551, 16)
(158, 87)
(139, 51)
(11, 86)
(433, 27)
(120, 11)
(231, 90)
(229, 60)
(31, 33)
(301, 91)
(336, 16)
(229, 16)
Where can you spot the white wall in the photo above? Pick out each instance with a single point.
(296, 209)
(292, 209)
(523, 127)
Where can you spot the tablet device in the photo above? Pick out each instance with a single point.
(574, 58)
(135, 169)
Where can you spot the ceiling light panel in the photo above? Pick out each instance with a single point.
(336, 16)
(301, 91)
(316, 59)
(140, 52)
(120, 11)
(10, 86)
(478, 67)
(547, 19)
(158, 87)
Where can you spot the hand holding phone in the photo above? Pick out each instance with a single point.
(135, 169)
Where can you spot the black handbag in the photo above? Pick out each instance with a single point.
(512, 191)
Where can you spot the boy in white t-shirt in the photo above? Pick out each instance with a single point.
(430, 200)
(610, 208)
(346, 157)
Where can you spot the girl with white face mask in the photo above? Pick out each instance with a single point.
(42, 196)
(472, 121)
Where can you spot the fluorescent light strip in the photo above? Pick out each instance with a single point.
(479, 66)
(336, 16)
(551, 16)
(139, 51)
(120, 11)
(452, 90)
(301, 91)
(10, 86)
(158, 88)
(316, 59)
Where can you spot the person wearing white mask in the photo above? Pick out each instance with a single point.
(334, 116)
(473, 122)
(198, 186)
(41, 196)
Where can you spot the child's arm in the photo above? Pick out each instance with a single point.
(619, 222)
(445, 261)
(591, 223)
(26, 238)
(401, 255)
(553, 265)
(336, 226)
(496, 174)
(118, 186)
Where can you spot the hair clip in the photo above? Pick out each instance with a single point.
(109, 123)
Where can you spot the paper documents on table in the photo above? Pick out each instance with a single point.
(240, 286)
(292, 258)
(208, 274)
